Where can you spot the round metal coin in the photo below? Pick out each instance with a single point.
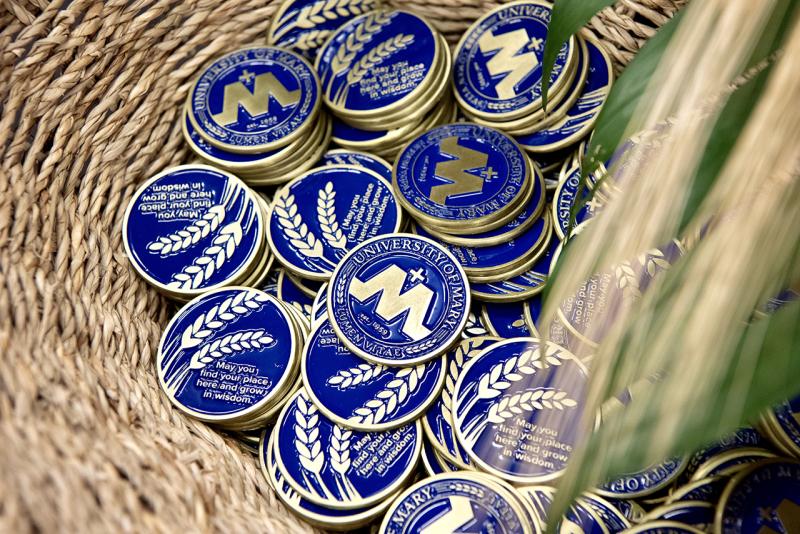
(340, 468)
(254, 99)
(398, 299)
(366, 396)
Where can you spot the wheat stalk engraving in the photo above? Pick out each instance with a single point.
(325, 10)
(387, 400)
(219, 315)
(354, 43)
(502, 375)
(627, 281)
(653, 261)
(519, 403)
(307, 442)
(230, 344)
(311, 40)
(190, 235)
(370, 60)
(326, 216)
(296, 230)
(363, 373)
(339, 451)
(474, 327)
(222, 248)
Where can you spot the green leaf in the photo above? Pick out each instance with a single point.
(569, 16)
(773, 343)
(623, 100)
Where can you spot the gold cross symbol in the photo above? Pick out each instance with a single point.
(594, 205)
(535, 43)
(417, 275)
(488, 173)
(246, 76)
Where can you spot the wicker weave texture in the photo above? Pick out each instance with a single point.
(90, 94)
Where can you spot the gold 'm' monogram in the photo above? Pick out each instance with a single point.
(506, 60)
(255, 102)
(459, 515)
(391, 303)
(455, 170)
(788, 514)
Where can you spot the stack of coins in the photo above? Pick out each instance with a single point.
(193, 228)
(385, 77)
(368, 325)
(303, 26)
(256, 113)
(231, 356)
(497, 81)
(474, 189)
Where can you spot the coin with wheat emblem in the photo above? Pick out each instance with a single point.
(517, 409)
(227, 355)
(191, 229)
(305, 25)
(438, 420)
(363, 395)
(378, 63)
(320, 216)
(589, 514)
(339, 468)
(321, 516)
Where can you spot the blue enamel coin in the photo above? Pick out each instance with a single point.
(193, 228)
(580, 118)
(497, 72)
(227, 354)
(321, 516)
(305, 25)
(589, 514)
(429, 461)
(455, 502)
(362, 395)
(318, 217)
(522, 222)
(764, 498)
(516, 413)
(705, 490)
(340, 468)
(645, 482)
(502, 260)
(462, 172)
(378, 62)
(696, 514)
(362, 159)
(565, 198)
(521, 286)
(745, 437)
(254, 99)
(784, 419)
(291, 294)
(398, 299)
(438, 420)
(506, 320)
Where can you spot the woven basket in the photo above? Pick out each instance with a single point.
(90, 94)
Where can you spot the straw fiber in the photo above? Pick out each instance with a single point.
(90, 94)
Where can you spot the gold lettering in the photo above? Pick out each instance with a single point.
(391, 303)
(455, 171)
(507, 59)
(255, 102)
